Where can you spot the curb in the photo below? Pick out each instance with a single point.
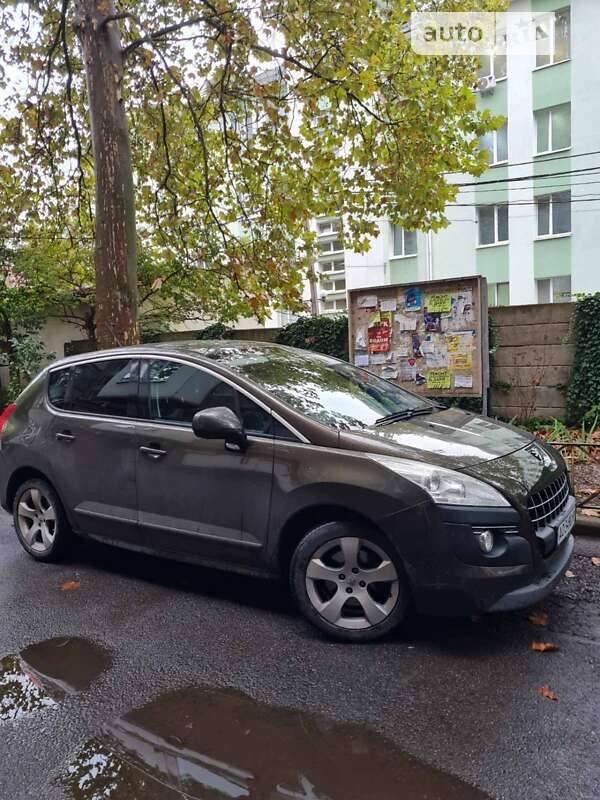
(587, 526)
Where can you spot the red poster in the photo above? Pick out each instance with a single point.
(379, 337)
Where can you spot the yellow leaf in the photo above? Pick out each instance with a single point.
(546, 692)
(543, 647)
(596, 561)
(539, 618)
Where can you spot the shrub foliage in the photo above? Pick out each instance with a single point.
(583, 391)
(323, 334)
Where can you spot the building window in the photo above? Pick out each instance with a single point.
(553, 128)
(405, 242)
(334, 306)
(554, 214)
(496, 143)
(338, 285)
(329, 226)
(552, 32)
(554, 290)
(493, 224)
(493, 66)
(498, 294)
(331, 247)
(337, 265)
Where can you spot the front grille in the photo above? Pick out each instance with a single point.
(546, 505)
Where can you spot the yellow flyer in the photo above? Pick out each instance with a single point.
(438, 379)
(438, 303)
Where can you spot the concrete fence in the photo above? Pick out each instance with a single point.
(531, 361)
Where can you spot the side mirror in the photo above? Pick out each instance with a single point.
(220, 423)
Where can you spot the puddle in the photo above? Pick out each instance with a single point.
(42, 674)
(206, 744)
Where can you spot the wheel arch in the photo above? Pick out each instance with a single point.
(19, 477)
(304, 520)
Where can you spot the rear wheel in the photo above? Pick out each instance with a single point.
(349, 581)
(40, 521)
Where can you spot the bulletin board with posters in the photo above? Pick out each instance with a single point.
(431, 337)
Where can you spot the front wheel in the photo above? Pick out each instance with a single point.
(40, 521)
(349, 582)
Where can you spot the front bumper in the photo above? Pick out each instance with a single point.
(456, 578)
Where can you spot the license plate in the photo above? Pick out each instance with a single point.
(565, 528)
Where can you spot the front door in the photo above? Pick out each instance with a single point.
(92, 444)
(195, 496)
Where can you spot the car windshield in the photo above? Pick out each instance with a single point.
(332, 392)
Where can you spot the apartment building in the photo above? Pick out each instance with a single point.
(531, 223)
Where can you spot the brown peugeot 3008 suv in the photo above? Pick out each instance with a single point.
(275, 461)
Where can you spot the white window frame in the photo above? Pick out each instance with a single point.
(403, 254)
(494, 154)
(552, 300)
(334, 226)
(551, 234)
(552, 16)
(497, 241)
(327, 253)
(494, 286)
(337, 268)
(550, 111)
(492, 74)
(337, 309)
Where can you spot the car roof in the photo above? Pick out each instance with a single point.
(209, 351)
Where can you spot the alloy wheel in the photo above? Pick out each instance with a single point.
(352, 583)
(36, 518)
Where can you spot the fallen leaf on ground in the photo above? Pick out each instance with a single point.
(596, 561)
(69, 586)
(546, 692)
(569, 574)
(543, 647)
(590, 512)
(539, 618)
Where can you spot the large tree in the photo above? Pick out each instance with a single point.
(206, 134)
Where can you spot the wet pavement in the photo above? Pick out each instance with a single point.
(164, 681)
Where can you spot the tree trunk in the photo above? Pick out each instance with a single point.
(115, 255)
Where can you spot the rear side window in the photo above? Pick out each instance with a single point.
(108, 388)
(58, 384)
(175, 392)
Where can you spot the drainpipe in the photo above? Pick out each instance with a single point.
(429, 255)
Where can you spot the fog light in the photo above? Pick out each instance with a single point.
(486, 541)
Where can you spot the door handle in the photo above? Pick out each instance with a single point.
(154, 453)
(65, 436)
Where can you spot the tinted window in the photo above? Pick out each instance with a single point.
(175, 392)
(58, 384)
(100, 387)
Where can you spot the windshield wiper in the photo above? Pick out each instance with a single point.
(408, 413)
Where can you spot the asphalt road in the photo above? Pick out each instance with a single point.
(460, 695)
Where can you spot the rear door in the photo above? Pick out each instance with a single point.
(196, 496)
(93, 444)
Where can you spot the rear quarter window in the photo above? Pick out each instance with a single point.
(58, 384)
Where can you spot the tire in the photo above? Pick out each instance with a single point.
(332, 578)
(40, 521)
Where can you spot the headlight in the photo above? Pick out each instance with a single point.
(444, 485)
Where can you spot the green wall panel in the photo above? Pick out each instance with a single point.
(552, 257)
(404, 270)
(552, 85)
(492, 263)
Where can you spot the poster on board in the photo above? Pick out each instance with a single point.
(430, 337)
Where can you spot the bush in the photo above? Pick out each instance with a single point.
(216, 331)
(25, 359)
(583, 391)
(325, 334)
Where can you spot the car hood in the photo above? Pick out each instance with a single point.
(450, 438)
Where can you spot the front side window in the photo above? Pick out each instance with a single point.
(492, 224)
(554, 214)
(553, 37)
(553, 128)
(331, 392)
(174, 392)
(496, 144)
(405, 242)
(107, 388)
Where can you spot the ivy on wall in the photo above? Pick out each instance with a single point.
(583, 391)
(324, 334)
